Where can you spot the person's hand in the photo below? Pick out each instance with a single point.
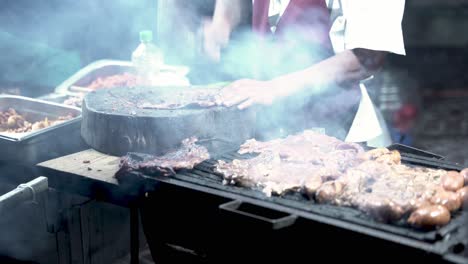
(247, 92)
(215, 37)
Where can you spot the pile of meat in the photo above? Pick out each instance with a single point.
(343, 174)
(186, 156)
(119, 80)
(76, 101)
(13, 122)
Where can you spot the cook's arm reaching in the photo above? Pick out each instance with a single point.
(369, 37)
(227, 16)
(345, 68)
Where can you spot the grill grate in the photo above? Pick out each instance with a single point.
(204, 176)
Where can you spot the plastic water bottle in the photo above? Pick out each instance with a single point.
(147, 58)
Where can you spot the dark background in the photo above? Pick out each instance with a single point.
(44, 42)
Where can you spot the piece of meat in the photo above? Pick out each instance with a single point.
(387, 192)
(326, 152)
(329, 192)
(13, 122)
(450, 200)
(273, 175)
(430, 216)
(383, 155)
(186, 156)
(297, 162)
(124, 79)
(464, 173)
(374, 182)
(294, 147)
(452, 181)
(418, 202)
(463, 196)
(380, 208)
(74, 100)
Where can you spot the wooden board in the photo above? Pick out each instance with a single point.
(88, 163)
(114, 121)
(90, 173)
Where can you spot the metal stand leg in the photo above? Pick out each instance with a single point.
(134, 236)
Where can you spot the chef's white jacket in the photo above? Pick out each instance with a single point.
(367, 24)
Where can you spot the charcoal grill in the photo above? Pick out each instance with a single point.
(206, 214)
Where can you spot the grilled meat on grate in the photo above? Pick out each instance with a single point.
(299, 162)
(185, 157)
(387, 192)
(272, 174)
(343, 174)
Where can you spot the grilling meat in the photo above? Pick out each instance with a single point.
(306, 147)
(329, 192)
(75, 101)
(448, 199)
(329, 154)
(463, 195)
(383, 155)
(387, 192)
(453, 181)
(124, 79)
(185, 157)
(344, 174)
(273, 175)
(464, 173)
(430, 216)
(380, 208)
(13, 122)
(300, 162)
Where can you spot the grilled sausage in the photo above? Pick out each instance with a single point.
(463, 196)
(329, 191)
(430, 216)
(464, 173)
(416, 203)
(448, 199)
(452, 181)
(383, 210)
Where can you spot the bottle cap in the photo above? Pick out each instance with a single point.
(146, 36)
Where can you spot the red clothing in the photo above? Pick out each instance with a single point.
(309, 18)
(300, 40)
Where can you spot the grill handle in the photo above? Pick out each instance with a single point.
(414, 151)
(271, 218)
(30, 191)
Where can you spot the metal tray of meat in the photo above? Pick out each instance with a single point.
(43, 144)
(76, 84)
(72, 90)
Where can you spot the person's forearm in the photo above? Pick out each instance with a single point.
(230, 12)
(347, 67)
